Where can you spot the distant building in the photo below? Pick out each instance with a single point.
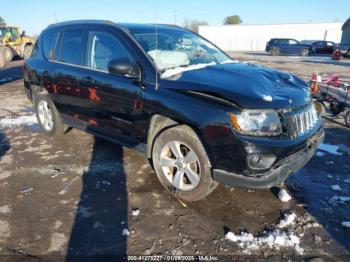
(345, 38)
(254, 37)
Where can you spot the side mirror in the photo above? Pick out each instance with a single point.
(125, 67)
(23, 33)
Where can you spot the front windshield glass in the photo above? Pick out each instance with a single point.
(178, 48)
(3, 32)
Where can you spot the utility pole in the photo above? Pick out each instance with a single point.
(175, 18)
(55, 17)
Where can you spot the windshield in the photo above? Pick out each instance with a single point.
(178, 48)
(3, 32)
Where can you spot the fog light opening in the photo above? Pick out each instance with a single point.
(260, 161)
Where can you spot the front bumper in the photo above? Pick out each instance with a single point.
(277, 174)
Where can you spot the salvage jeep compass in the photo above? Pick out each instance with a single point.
(198, 116)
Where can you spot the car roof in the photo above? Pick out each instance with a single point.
(283, 39)
(126, 26)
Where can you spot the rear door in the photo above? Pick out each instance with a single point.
(293, 47)
(115, 100)
(320, 47)
(70, 58)
(330, 46)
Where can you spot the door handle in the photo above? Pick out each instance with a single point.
(88, 79)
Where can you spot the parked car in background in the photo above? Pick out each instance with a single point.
(198, 116)
(286, 46)
(322, 48)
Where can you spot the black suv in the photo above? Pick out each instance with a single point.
(200, 117)
(279, 46)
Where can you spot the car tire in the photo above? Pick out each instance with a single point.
(48, 116)
(2, 61)
(304, 52)
(336, 108)
(347, 118)
(275, 51)
(182, 164)
(7, 53)
(27, 51)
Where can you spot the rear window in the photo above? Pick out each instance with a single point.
(72, 48)
(49, 42)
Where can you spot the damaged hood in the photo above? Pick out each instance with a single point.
(247, 85)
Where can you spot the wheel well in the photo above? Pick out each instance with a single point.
(157, 124)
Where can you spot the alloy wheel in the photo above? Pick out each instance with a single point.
(180, 165)
(45, 115)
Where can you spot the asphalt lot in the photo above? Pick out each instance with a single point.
(76, 194)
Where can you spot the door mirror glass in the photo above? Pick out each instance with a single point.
(125, 67)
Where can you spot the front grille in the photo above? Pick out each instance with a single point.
(303, 121)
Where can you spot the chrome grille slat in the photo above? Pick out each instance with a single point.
(303, 121)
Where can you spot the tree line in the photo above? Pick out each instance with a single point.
(194, 25)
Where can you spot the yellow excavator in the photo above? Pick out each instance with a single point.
(13, 43)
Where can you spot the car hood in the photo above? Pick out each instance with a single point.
(247, 85)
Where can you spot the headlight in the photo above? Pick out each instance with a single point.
(256, 122)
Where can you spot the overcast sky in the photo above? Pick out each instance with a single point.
(35, 15)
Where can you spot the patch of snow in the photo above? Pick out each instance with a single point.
(336, 187)
(287, 220)
(126, 232)
(272, 239)
(179, 70)
(135, 212)
(5, 209)
(346, 224)
(331, 149)
(9, 122)
(284, 196)
(320, 154)
(330, 163)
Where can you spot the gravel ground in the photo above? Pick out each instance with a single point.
(76, 194)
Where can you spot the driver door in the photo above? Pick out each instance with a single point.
(112, 99)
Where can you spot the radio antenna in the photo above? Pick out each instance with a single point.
(156, 20)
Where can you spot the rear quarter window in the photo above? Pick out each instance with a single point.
(49, 41)
(34, 53)
(72, 47)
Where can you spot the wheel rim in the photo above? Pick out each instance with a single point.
(7, 54)
(45, 115)
(318, 107)
(304, 52)
(180, 165)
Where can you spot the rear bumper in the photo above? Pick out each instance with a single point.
(276, 175)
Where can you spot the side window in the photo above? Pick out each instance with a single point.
(72, 47)
(293, 42)
(330, 44)
(49, 42)
(102, 48)
(283, 41)
(319, 44)
(35, 49)
(14, 34)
